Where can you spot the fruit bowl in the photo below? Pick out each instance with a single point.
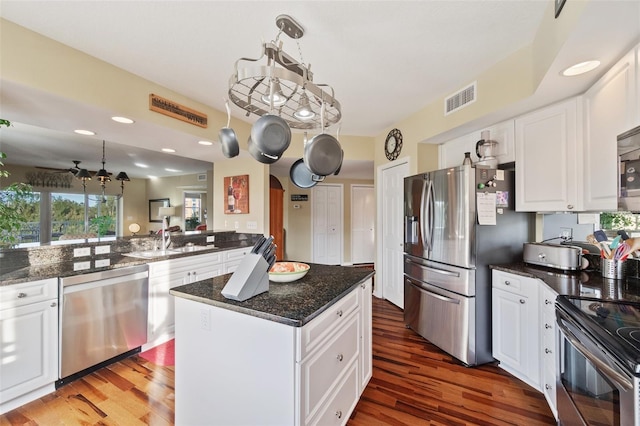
(286, 272)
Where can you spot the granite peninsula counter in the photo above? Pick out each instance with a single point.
(297, 354)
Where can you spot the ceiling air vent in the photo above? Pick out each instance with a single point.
(460, 99)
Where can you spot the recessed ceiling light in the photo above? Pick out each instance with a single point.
(172, 170)
(581, 68)
(168, 150)
(84, 132)
(152, 177)
(124, 120)
(205, 143)
(144, 166)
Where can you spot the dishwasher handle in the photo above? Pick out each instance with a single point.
(105, 282)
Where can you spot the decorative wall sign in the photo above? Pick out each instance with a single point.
(237, 190)
(49, 180)
(299, 197)
(175, 110)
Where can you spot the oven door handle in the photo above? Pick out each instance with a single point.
(613, 374)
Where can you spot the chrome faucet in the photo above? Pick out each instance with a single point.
(166, 235)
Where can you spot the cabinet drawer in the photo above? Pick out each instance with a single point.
(321, 371)
(338, 408)
(236, 254)
(15, 295)
(515, 284)
(313, 333)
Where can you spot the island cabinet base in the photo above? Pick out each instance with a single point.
(234, 368)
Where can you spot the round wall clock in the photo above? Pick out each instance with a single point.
(393, 144)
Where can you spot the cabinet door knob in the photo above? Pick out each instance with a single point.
(547, 301)
(339, 414)
(188, 274)
(547, 350)
(522, 301)
(507, 283)
(547, 326)
(22, 295)
(340, 357)
(339, 313)
(570, 206)
(54, 304)
(547, 386)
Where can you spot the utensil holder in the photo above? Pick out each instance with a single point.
(250, 279)
(614, 269)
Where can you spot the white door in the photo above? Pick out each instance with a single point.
(327, 224)
(362, 224)
(390, 224)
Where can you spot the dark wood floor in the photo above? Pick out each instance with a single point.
(413, 383)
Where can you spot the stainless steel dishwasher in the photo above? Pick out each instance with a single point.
(102, 315)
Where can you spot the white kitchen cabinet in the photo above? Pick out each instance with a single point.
(29, 339)
(452, 152)
(515, 326)
(232, 258)
(548, 349)
(272, 373)
(610, 109)
(548, 158)
(167, 274)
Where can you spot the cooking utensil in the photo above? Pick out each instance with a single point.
(623, 234)
(301, 176)
(323, 154)
(258, 243)
(259, 155)
(602, 239)
(228, 138)
(271, 135)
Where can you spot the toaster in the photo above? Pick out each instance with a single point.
(558, 256)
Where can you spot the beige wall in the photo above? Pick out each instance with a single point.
(297, 222)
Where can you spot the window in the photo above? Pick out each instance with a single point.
(192, 210)
(615, 221)
(29, 208)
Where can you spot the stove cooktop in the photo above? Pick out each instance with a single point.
(614, 323)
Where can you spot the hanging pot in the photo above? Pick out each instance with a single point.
(341, 160)
(302, 177)
(228, 138)
(271, 135)
(323, 154)
(259, 155)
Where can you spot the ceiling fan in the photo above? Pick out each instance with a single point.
(73, 170)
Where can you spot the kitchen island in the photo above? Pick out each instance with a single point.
(297, 354)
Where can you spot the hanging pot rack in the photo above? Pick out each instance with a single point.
(251, 82)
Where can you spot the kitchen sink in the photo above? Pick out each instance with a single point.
(150, 254)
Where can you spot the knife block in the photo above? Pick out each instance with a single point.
(250, 279)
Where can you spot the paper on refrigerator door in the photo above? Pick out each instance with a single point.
(486, 207)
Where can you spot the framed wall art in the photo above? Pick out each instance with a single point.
(236, 189)
(154, 206)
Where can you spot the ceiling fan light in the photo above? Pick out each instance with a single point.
(123, 177)
(304, 111)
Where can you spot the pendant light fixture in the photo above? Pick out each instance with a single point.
(101, 175)
(276, 83)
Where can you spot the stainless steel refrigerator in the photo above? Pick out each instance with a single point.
(458, 221)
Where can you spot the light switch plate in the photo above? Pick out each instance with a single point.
(82, 251)
(103, 249)
(81, 266)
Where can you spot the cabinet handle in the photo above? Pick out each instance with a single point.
(547, 386)
(547, 326)
(340, 357)
(547, 302)
(522, 301)
(547, 350)
(194, 273)
(188, 274)
(54, 304)
(22, 295)
(339, 313)
(339, 414)
(507, 283)
(570, 206)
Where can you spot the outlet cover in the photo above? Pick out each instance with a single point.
(82, 251)
(211, 238)
(566, 233)
(103, 249)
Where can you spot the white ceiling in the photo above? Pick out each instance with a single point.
(385, 59)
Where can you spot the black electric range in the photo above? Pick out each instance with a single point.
(615, 324)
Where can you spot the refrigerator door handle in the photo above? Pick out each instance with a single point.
(423, 211)
(437, 271)
(430, 213)
(432, 294)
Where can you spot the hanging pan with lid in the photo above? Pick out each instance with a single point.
(259, 155)
(228, 138)
(323, 154)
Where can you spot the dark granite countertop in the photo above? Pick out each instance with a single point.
(9, 276)
(293, 304)
(576, 283)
